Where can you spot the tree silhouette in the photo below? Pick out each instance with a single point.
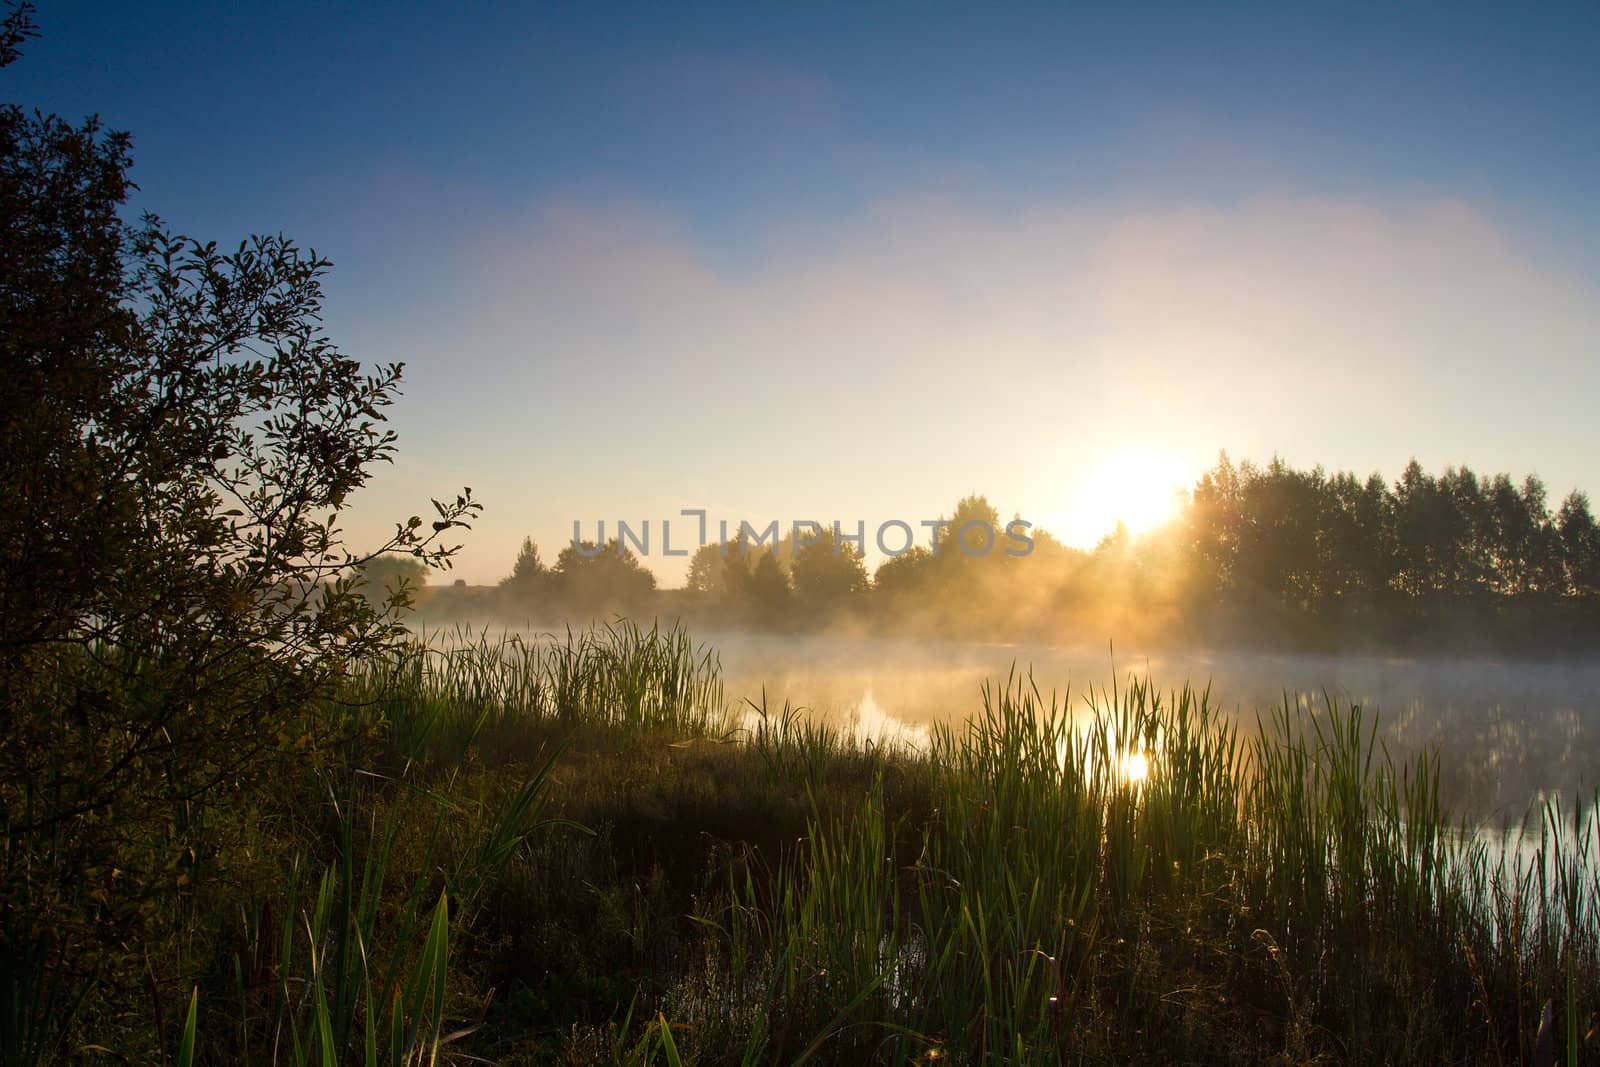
(973, 532)
(385, 575)
(529, 580)
(1580, 545)
(177, 440)
(1288, 554)
(708, 572)
(768, 596)
(905, 575)
(595, 580)
(828, 574)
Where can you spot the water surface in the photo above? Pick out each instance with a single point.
(1509, 733)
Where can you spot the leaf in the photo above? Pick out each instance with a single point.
(186, 1044)
(668, 1046)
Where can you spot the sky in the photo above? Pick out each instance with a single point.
(824, 263)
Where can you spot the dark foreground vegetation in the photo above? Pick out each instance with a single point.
(567, 852)
(247, 820)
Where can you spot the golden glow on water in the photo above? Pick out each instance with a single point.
(1130, 767)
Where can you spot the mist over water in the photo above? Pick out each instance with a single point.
(1509, 733)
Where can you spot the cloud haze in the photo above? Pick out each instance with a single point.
(1053, 333)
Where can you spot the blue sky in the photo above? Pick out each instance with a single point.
(835, 264)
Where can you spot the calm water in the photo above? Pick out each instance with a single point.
(1509, 733)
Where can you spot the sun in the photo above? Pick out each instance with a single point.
(1133, 487)
(1135, 767)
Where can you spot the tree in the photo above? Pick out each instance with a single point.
(1546, 572)
(528, 566)
(769, 593)
(177, 439)
(595, 579)
(828, 573)
(971, 533)
(905, 575)
(1211, 530)
(1358, 540)
(1422, 526)
(388, 575)
(708, 572)
(529, 578)
(736, 574)
(1580, 543)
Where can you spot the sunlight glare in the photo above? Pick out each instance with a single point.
(1134, 487)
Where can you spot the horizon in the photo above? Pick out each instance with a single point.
(1142, 513)
(781, 264)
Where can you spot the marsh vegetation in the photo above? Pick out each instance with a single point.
(577, 849)
(251, 816)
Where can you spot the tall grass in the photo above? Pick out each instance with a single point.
(439, 693)
(1133, 876)
(1054, 895)
(355, 969)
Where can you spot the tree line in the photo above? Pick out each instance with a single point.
(1257, 555)
(1454, 558)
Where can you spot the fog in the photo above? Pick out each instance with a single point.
(1509, 733)
(1462, 610)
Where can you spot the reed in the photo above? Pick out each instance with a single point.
(1064, 848)
(1132, 874)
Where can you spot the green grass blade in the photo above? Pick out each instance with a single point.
(186, 1044)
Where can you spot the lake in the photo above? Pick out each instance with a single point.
(1509, 733)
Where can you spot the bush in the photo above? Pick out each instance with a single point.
(175, 592)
